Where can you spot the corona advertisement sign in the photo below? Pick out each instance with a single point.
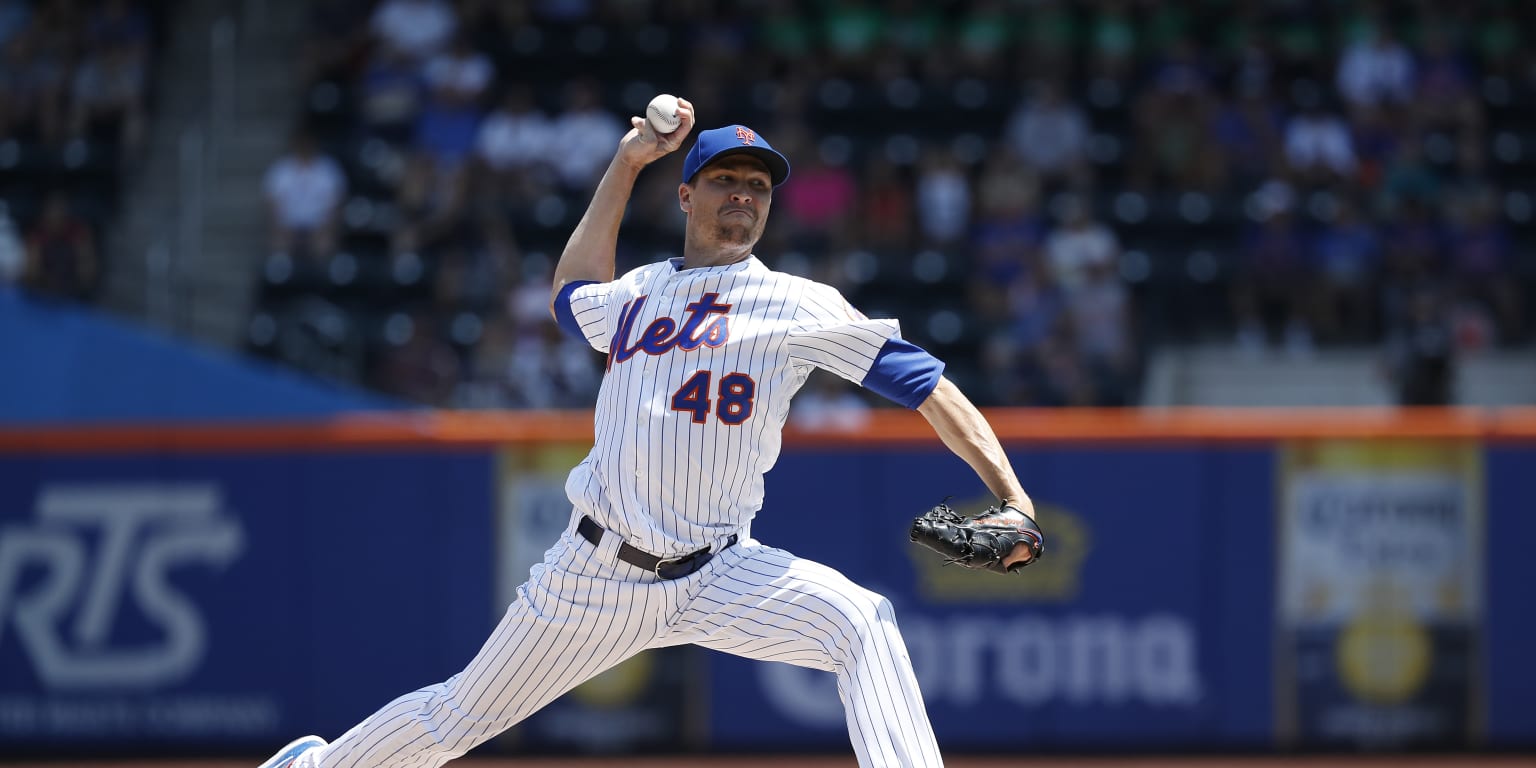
(1379, 594)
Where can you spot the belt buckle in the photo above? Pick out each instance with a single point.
(678, 560)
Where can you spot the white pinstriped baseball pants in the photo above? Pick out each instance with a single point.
(583, 610)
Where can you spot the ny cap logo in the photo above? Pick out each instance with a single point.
(745, 134)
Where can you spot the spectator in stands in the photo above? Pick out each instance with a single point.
(1009, 232)
(61, 253)
(1062, 376)
(943, 198)
(1376, 135)
(471, 275)
(1247, 133)
(1111, 39)
(1408, 176)
(15, 107)
(1246, 60)
(785, 36)
(982, 35)
(821, 202)
(885, 206)
(304, 191)
(1048, 38)
(13, 253)
(1078, 244)
(461, 74)
(419, 366)
(414, 29)
(391, 94)
(1500, 34)
(36, 82)
(1376, 70)
(1179, 72)
(337, 45)
(1482, 264)
(1100, 314)
(1421, 350)
(525, 362)
(851, 30)
(1444, 98)
(1318, 149)
(119, 24)
(1269, 289)
(1348, 256)
(448, 123)
(484, 383)
(1413, 246)
(509, 170)
(1035, 308)
(1002, 379)
(584, 134)
(717, 36)
(1469, 177)
(59, 28)
(1413, 263)
(913, 30)
(513, 148)
(15, 16)
(109, 95)
(1173, 120)
(1050, 133)
(546, 369)
(431, 206)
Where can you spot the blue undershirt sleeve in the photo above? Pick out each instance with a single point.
(904, 373)
(563, 314)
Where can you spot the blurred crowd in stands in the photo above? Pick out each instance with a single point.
(1042, 191)
(74, 98)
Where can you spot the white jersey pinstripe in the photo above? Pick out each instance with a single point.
(671, 483)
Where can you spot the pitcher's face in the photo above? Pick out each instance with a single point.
(727, 203)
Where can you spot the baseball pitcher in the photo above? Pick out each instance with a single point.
(704, 352)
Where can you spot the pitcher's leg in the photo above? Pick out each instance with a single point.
(545, 645)
(767, 604)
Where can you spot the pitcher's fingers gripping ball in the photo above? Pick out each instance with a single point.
(980, 542)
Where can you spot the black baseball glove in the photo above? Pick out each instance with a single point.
(980, 542)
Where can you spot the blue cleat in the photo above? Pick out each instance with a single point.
(288, 754)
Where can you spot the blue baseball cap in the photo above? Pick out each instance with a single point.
(716, 143)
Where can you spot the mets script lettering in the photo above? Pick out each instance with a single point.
(706, 325)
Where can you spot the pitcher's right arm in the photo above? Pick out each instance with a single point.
(589, 253)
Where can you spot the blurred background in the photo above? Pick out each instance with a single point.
(273, 309)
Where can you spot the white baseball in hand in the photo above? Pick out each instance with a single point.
(662, 113)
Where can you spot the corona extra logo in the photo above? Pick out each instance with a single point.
(1056, 578)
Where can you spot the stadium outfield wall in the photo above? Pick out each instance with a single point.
(1241, 580)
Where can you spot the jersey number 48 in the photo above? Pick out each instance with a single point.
(732, 403)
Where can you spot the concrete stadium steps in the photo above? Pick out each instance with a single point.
(243, 128)
(1498, 379)
(1229, 376)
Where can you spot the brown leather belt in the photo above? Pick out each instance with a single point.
(673, 568)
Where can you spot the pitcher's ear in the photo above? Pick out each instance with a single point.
(685, 198)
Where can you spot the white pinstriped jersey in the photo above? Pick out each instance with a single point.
(702, 364)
